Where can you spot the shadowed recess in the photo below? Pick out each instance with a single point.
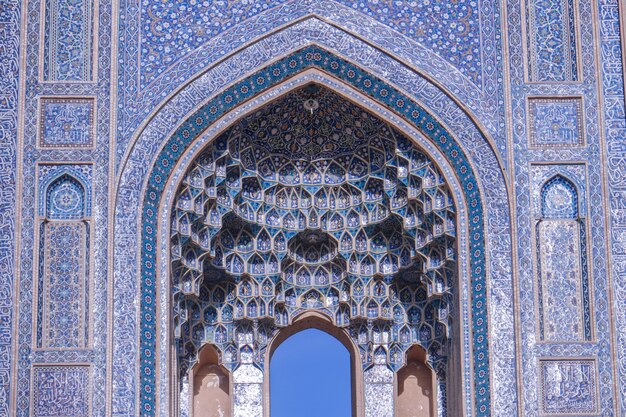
(310, 377)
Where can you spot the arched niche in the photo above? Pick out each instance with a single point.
(63, 286)
(563, 293)
(65, 198)
(416, 386)
(559, 198)
(319, 321)
(210, 387)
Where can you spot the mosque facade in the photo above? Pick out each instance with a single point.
(440, 185)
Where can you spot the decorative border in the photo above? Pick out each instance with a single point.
(613, 127)
(310, 57)
(11, 34)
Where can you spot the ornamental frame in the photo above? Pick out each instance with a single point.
(79, 395)
(317, 58)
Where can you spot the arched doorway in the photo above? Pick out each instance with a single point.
(210, 386)
(416, 385)
(310, 376)
(314, 204)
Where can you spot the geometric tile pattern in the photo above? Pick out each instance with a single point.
(60, 391)
(555, 122)
(600, 73)
(64, 191)
(66, 123)
(65, 199)
(559, 199)
(551, 36)
(559, 287)
(501, 244)
(68, 40)
(567, 182)
(568, 387)
(352, 28)
(63, 286)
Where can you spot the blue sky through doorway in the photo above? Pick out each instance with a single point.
(310, 377)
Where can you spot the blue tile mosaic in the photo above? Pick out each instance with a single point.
(562, 307)
(447, 56)
(172, 29)
(612, 108)
(10, 39)
(63, 318)
(65, 191)
(151, 138)
(346, 29)
(586, 19)
(65, 199)
(68, 40)
(563, 294)
(552, 42)
(60, 391)
(568, 387)
(556, 122)
(559, 199)
(307, 58)
(300, 229)
(66, 123)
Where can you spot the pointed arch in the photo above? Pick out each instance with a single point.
(319, 321)
(564, 312)
(63, 287)
(444, 143)
(559, 198)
